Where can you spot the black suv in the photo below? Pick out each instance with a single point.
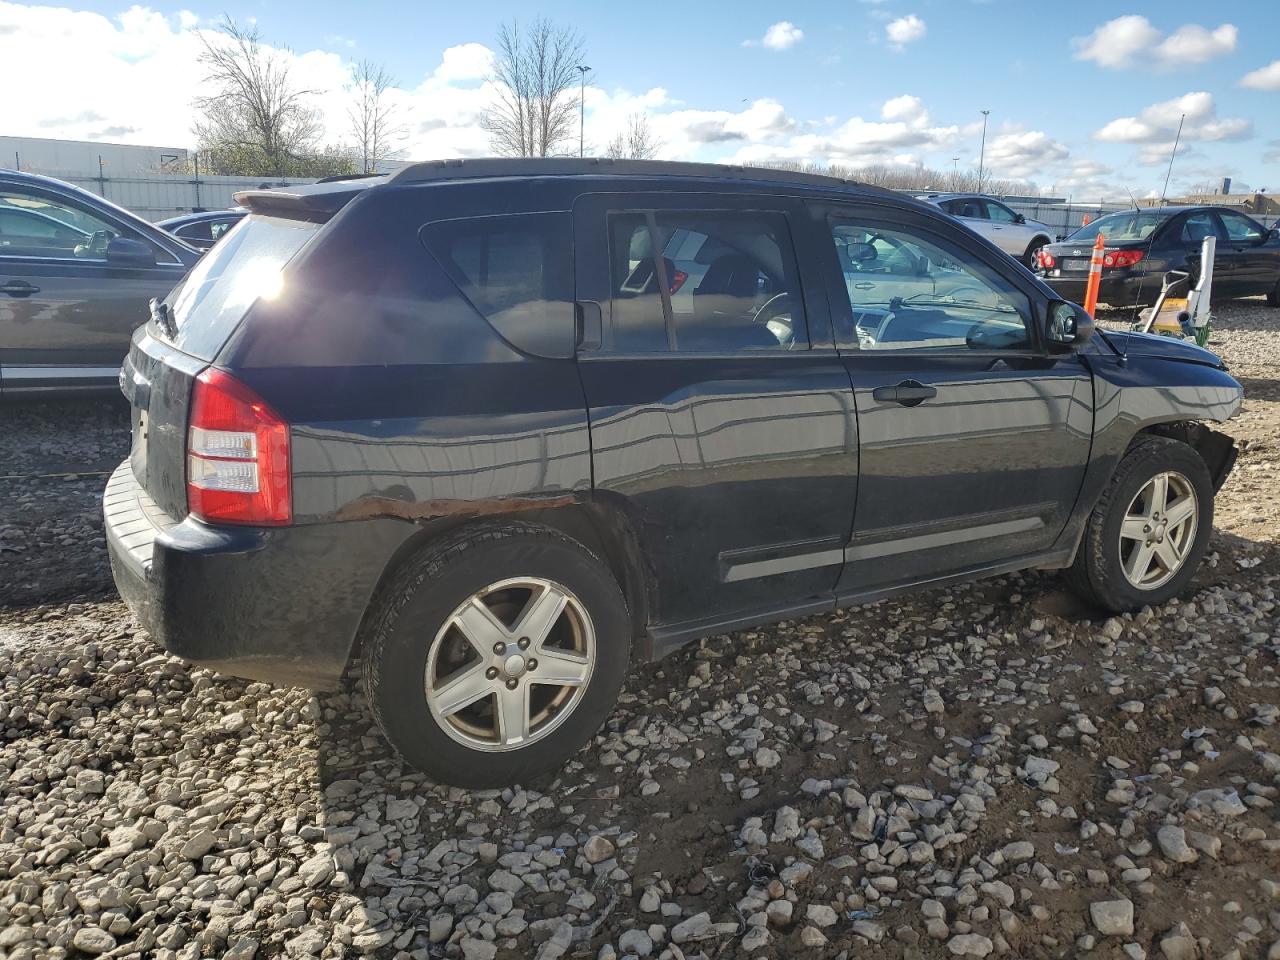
(498, 425)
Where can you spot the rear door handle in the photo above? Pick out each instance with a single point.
(908, 393)
(18, 288)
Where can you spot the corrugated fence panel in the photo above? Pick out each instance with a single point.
(159, 197)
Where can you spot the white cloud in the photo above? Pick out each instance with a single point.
(1264, 78)
(1159, 122)
(904, 30)
(780, 36)
(1132, 41)
(1023, 154)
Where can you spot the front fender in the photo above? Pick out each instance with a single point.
(1151, 394)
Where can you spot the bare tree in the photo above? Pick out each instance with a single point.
(535, 73)
(919, 178)
(375, 120)
(637, 142)
(255, 119)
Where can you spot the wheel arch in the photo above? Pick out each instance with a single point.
(599, 525)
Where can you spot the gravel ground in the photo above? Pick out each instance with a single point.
(982, 770)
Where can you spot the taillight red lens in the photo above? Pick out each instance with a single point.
(678, 277)
(1109, 260)
(1127, 258)
(1047, 259)
(237, 455)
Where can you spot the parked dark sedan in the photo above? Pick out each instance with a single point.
(466, 420)
(76, 274)
(202, 230)
(1142, 244)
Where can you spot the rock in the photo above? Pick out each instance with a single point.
(650, 901)
(198, 846)
(1112, 918)
(598, 849)
(779, 912)
(933, 701)
(318, 870)
(1040, 766)
(92, 940)
(474, 948)
(767, 758)
(1173, 844)
(637, 942)
(401, 809)
(440, 927)
(820, 915)
(308, 943)
(90, 781)
(786, 824)
(970, 945)
(812, 937)
(1018, 851)
(868, 929)
(1179, 944)
(695, 928)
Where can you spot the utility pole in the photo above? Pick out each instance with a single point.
(102, 177)
(582, 111)
(982, 152)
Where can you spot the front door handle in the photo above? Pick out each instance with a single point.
(908, 393)
(18, 288)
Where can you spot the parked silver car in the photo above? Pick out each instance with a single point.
(1012, 232)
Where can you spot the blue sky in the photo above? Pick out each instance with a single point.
(1083, 97)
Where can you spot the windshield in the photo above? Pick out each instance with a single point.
(245, 266)
(1119, 227)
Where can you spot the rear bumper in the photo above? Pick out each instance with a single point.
(1121, 291)
(281, 605)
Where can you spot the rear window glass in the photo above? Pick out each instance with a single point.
(516, 271)
(1127, 225)
(209, 304)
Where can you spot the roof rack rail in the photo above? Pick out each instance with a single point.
(571, 166)
(335, 178)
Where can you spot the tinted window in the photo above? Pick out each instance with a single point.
(997, 211)
(910, 290)
(1123, 226)
(1196, 227)
(218, 227)
(973, 209)
(32, 225)
(712, 281)
(517, 271)
(210, 302)
(194, 231)
(1240, 228)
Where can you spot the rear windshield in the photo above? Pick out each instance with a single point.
(1119, 227)
(225, 282)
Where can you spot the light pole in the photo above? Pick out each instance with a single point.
(955, 172)
(982, 152)
(582, 111)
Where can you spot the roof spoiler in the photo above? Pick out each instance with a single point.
(309, 201)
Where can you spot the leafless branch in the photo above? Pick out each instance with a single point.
(535, 73)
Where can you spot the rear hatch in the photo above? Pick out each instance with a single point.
(184, 336)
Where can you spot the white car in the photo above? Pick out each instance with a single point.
(1012, 232)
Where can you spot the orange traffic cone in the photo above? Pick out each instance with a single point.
(1095, 278)
(1085, 221)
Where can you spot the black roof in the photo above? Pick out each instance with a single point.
(326, 197)
(185, 218)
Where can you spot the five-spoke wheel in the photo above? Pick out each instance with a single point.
(1158, 530)
(510, 663)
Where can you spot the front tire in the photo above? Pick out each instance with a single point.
(1150, 529)
(1273, 298)
(1029, 257)
(495, 654)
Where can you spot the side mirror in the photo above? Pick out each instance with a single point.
(1272, 234)
(127, 252)
(1019, 218)
(1068, 325)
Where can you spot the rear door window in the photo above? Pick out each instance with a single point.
(209, 304)
(516, 271)
(713, 282)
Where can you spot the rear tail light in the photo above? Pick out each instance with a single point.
(1121, 258)
(1046, 259)
(237, 455)
(678, 277)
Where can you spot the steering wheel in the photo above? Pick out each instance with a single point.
(775, 315)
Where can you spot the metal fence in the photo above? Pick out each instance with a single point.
(160, 196)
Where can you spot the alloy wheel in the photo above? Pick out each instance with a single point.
(510, 664)
(1159, 530)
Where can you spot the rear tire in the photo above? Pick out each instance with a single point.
(1146, 536)
(495, 654)
(1029, 257)
(1273, 298)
